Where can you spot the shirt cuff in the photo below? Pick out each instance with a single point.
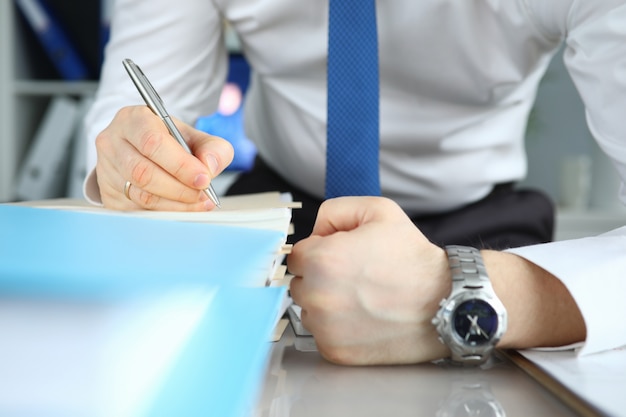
(91, 189)
(593, 270)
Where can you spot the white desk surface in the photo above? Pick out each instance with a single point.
(301, 384)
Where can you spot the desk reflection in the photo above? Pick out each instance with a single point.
(302, 384)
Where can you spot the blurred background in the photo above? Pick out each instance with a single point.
(43, 98)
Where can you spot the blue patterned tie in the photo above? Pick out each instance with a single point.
(352, 132)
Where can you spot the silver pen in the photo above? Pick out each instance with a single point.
(154, 102)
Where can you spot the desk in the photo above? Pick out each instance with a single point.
(302, 384)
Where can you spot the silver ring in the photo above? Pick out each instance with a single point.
(127, 189)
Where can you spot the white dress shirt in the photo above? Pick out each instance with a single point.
(458, 80)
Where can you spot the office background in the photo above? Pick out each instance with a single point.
(559, 144)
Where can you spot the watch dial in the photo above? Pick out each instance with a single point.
(475, 321)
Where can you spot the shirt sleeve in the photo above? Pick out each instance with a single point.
(594, 268)
(181, 49)
(594, 271)
(595, 56)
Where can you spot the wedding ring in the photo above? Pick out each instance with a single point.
(127, 189)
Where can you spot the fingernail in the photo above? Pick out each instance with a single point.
(201, 181)
(211, 162)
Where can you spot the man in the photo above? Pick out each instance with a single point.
(457, 81)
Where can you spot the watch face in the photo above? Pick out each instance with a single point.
(475, 321)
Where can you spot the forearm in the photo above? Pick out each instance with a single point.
(541, 311)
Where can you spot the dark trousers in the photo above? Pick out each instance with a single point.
(506, 218)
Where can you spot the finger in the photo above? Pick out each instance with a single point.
(298, 295)
(111, 181)
(295, 289)
(300, 255)
(215, 152)
(348, 213)
(125, 196)
(154, 180)
(149, 201)
(154, 189)
(149, 135)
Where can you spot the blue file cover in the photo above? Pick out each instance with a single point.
(103, 314)
(188, 351)
(100, 255)
(220, 371)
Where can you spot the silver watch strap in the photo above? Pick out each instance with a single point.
(469, 276)
(467, 268)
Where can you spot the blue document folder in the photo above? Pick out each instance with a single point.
(101, 255)
(104, 314)
(182, 352)
(220, 371)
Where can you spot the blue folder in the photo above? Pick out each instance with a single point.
(222, 367)
(181, 352)
(115, 270)
(100, 255)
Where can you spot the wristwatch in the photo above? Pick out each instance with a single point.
(472, 319)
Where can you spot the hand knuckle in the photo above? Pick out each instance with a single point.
(103, 142)
(148, 200)
(124, 112)
(150, 143)
(142, 172)
(180, 168)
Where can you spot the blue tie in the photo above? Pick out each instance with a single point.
(352, 132)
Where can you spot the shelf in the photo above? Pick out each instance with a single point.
(53, 87)
(28, 79)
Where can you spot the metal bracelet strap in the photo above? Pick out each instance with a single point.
(467, 267)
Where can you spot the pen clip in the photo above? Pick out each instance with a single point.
(145, 88)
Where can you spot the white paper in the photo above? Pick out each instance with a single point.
(599, 379)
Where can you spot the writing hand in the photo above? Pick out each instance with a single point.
(138, 148)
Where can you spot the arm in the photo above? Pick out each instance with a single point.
(595, 57)
(541, 310)
(369, 284)
(182, 52)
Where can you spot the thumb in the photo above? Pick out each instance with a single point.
(215, 152)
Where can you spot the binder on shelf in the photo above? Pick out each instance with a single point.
(44, 171)
(57, 45)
